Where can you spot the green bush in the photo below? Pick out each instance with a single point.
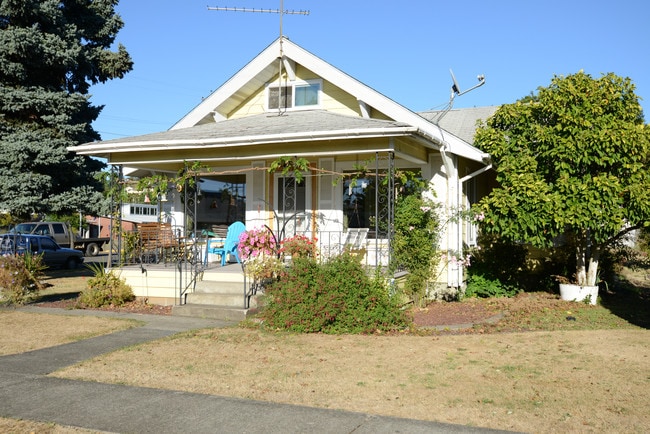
(484, 287)
(415, 243)
(20, 278)
(105, 289)
(333, 297)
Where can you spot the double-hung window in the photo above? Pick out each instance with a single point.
(304, 94)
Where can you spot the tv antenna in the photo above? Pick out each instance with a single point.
(280, 11)
(455, 91)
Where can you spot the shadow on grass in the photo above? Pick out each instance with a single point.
(64, 296)
(629, 300)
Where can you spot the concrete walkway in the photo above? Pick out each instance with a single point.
(26, 392)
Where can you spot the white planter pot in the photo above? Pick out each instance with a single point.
(572, 292)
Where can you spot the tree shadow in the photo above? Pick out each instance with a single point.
(629, 298)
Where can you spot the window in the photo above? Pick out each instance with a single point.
(299, 95)
(58, 228)
(472, 227)
(47, 244)
(292, 203)
(143, 210)
(361, 199)
(291, 195)
(42, 230)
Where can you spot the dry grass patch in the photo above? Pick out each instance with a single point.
(22, 331)
(563, 381)
(25, 426)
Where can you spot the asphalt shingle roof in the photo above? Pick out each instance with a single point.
(461, 122)
(266, 125)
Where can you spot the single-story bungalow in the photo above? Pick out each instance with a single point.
(287, 102)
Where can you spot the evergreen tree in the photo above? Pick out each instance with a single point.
(51, 52)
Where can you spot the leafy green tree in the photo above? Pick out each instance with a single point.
(571, 160)
(51, 52)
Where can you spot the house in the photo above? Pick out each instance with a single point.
(289, 102)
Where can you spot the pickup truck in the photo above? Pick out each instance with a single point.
(53, 254)
(62, 235)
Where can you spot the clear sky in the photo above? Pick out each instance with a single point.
(403, 49)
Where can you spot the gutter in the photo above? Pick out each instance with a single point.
(162, 144)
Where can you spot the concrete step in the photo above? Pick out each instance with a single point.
(223, 313)
(219, 287)
(219, 299)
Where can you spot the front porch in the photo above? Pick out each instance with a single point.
(206, 289)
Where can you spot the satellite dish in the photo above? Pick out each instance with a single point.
(455, 88)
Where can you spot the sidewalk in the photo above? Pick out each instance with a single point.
(27, 393)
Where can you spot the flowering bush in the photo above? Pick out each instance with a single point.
(20, 278)
(256, 242)
(298, 246)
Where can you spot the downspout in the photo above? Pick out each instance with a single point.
(461, 181)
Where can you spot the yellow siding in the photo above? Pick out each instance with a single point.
(333, 99)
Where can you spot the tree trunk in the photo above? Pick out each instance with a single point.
(592, 267)
(587, 258)
(581, 261)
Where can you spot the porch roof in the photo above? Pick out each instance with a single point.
(295, 126)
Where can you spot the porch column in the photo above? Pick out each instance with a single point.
(454, 227)
(256, 200)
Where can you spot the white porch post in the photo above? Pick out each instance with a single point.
(454, 227)
(256, 213)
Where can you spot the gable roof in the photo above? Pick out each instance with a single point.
(264, 67)
(207, 123)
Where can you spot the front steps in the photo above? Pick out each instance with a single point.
(220, 295)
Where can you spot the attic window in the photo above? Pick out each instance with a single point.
(294, 96)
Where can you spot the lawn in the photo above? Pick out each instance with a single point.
(585, 375)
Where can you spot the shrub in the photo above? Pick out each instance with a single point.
(484, 287)
(332, 297)
(20, 278)
(415, 244)
(105, 289)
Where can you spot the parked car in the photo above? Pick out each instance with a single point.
(62, 234)
(53, 254)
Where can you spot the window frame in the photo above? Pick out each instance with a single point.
(293, 86)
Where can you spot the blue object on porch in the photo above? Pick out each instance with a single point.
(228, 245)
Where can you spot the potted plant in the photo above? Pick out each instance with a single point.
(298, 246)
(259, 256)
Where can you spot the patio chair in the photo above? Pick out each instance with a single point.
(355, 241)
(229, 245)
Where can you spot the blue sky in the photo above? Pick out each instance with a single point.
(182, 51)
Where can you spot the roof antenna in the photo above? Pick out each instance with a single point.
(281, 11)
(455, 91)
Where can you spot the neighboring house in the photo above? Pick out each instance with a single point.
(289, 102)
